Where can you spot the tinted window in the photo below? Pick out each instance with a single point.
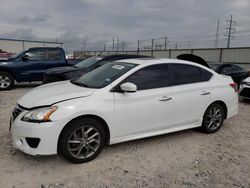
(154, 76)
(185, 74)
(54, 54)
(206, 75)
(36, 54)
(236, 68)
(226, 69)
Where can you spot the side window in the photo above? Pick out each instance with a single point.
(185, 74)
(206, 75)
(36, 55)
(154, 76)
(54, 54)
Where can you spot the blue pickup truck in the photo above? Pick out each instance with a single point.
(30, 65)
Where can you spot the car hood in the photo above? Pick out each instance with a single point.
(49, 94)
(61, 70)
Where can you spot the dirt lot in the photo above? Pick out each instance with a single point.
(184, 159)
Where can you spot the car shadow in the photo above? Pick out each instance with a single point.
(244, 101)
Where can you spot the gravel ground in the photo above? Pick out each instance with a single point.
(183, 159)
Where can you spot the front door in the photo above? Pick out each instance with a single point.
(31, 68)
(147, 109)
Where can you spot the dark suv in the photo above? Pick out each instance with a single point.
(68, 73)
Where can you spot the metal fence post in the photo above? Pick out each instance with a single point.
(220, 58)
(152, 47)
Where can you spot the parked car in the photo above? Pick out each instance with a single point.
(193, 58)
(244, 91)
(4, 55)
(118, 102)
(236, 72)
(30, 65)
(67, 73)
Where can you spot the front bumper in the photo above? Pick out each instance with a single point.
(35, 138)
(244, 91)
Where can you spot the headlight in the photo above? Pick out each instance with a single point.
(39, 115)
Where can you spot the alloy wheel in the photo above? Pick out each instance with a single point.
(4, 81)
(84, 142)
(214, 118)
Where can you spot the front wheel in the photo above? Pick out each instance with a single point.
(213, 118)
(82, 140)
(6, 81)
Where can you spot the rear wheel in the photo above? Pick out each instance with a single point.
(6, 81)
(82, 140)
(213, 118)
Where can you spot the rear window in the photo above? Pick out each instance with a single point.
(54, 54)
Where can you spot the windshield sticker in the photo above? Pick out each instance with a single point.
(119, 67)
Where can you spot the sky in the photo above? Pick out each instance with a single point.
(187, 23)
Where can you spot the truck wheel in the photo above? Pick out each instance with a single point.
(6, 81)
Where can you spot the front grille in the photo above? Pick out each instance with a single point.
(245, 93)
(18, 110)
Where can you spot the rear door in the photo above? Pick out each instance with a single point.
(192, 92)
(54, 58)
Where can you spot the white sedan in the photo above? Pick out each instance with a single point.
(118, 102)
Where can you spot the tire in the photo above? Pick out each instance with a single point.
(77, 142)
(213, 118)
(6, 81)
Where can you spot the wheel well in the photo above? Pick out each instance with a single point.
(224, 106)
(9, 72)
(99, 119)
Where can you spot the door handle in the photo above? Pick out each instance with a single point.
(165, 99)
(205, 93)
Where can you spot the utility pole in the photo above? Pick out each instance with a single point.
(138, 46)
(117, 43)
(113, 46)
(104, 47)
(152, 47)
(217, 34)
(166, 43)
(84, 46)
(123, 46)
(230, 29)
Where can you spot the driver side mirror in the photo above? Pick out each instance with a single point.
(25, 58)
(128, 87)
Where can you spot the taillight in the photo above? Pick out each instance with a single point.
(234, 86)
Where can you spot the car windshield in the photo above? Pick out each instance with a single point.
(213, 66)
(103, 75)
(16, 55)
(88, 62)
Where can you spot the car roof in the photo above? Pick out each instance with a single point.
(123, 56)
(144, 61)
